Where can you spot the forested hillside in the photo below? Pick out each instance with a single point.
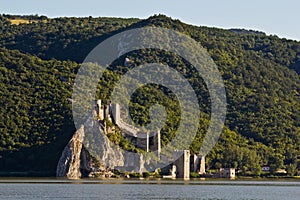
(38, 63)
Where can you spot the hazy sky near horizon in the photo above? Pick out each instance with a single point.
(279, 17)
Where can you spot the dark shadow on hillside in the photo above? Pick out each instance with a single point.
(35, 161)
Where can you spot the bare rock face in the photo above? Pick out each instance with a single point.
(90, 153)
(69, 162)
(100, 147)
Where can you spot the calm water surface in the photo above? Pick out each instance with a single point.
(147, 189)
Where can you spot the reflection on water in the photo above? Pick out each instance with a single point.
(147, 189)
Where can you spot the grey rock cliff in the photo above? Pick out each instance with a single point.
(69, 162)
(100, 147)
(90, 152)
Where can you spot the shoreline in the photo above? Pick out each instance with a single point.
(47, 176)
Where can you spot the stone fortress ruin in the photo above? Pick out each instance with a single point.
(180, 168)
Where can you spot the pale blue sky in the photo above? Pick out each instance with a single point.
(277, 17)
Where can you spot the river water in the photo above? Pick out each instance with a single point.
(33, 189)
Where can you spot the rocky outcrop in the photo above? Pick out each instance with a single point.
(69, 162)
(90, 153)
(100, 147)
